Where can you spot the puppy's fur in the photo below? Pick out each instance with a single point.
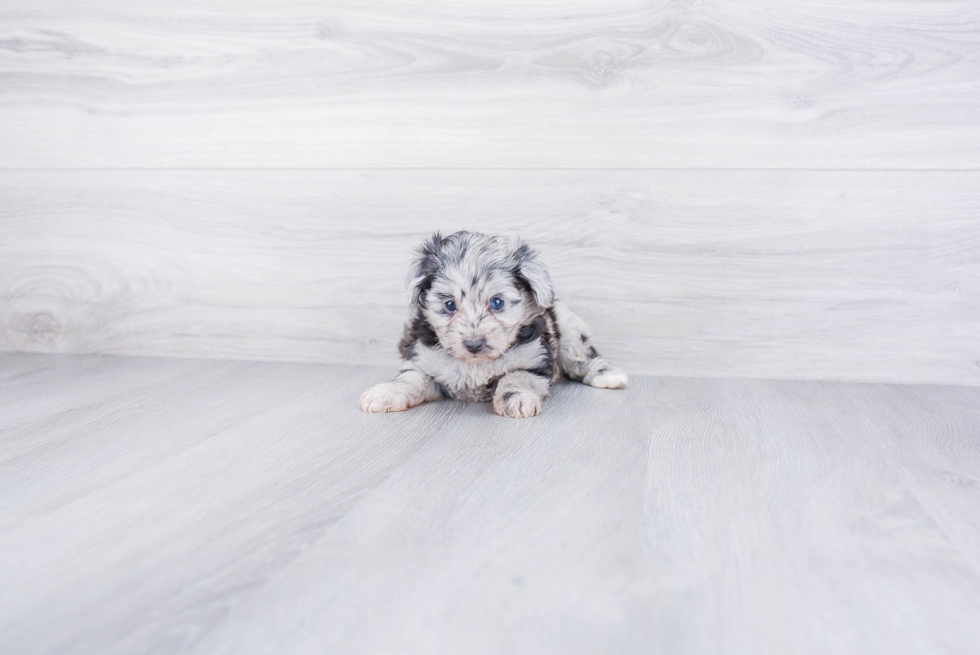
(484, 325)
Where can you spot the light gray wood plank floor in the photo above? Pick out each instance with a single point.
(164, 506)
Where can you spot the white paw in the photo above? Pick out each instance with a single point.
(384, 397)
(611, 378)
(517, 404)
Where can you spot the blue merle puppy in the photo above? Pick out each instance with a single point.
(484, 325)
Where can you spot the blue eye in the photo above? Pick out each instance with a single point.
(451, 305)
(496, 303)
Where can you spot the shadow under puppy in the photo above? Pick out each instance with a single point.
(484, 325)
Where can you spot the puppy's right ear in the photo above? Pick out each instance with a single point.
(424, 269)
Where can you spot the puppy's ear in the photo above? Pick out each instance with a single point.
(424, 268)
(532, 274)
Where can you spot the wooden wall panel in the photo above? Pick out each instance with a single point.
(569, 84)
(789, 274)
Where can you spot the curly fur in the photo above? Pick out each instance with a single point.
(502, 337)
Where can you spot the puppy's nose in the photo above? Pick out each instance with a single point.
(474, 345)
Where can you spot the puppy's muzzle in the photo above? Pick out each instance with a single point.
(474, 345)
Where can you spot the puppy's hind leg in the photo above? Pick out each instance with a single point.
(409, 388)
(577, 356)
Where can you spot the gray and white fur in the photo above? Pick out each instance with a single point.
(484, 325)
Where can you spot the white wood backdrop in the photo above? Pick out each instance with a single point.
(856, 275)
(759, 189)
(471, 83)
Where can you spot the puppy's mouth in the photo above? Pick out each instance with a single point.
(482, 356)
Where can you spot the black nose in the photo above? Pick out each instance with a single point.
(475, 345)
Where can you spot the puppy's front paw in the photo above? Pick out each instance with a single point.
(517, 404)
(384, 397)
(609, 378)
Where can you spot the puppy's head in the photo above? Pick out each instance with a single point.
(478, 291)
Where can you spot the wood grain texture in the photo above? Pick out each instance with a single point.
(792, 274)
(233, 507)
(578, 83)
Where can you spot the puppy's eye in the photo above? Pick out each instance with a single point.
(451, 305)
(496, 303)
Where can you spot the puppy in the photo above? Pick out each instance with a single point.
(484, 325)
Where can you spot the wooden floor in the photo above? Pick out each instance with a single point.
(165, 506)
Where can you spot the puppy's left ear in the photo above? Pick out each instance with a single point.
(531, 273)
(424, 268)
